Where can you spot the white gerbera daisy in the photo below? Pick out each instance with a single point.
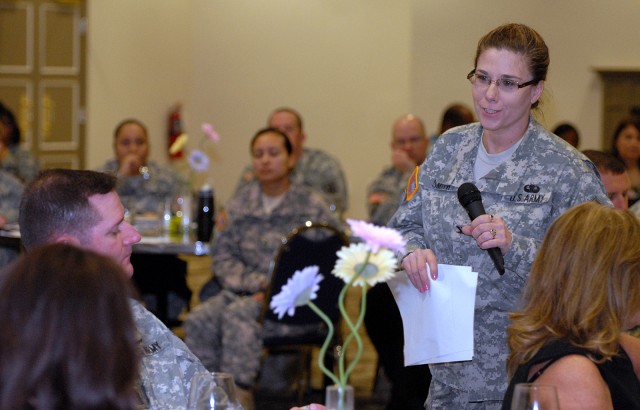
(380, 266)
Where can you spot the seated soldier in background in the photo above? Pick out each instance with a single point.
(614, 176)
(145, 187)
(224, 331)
(409, 145)
(312, 167)
(13, 158)
(82, 208)
(454, 115)
(568, 133)
(10, 192)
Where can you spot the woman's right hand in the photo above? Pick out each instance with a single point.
(130, 165)
(415, 264)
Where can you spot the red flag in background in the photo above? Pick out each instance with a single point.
(175, 129)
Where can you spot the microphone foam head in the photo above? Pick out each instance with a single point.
(468, 193)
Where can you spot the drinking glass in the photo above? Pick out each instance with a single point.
(213, 391)
(529, 396)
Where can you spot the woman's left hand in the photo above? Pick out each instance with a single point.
(489, 231)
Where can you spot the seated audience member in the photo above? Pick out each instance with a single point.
(454, 115)
(144, 188)
(66, 331)
(143, 185)
(224, 331)
(568, 133)
(409, 145)
(312, 167)
(409, 385)
(10, 192)
(626, 146)
(582, 293)
(13, 159)
(82, 208)
(614, 177)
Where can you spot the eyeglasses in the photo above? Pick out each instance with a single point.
(507, 85)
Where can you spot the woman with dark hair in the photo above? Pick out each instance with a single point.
(582, 293)
(66, 333)
(569, 133)
(14, 159)
(224, 331)
(143, 185)
(626, 146)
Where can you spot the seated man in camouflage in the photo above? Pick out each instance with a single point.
(82, 208)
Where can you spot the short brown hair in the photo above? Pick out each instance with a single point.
(57, 202)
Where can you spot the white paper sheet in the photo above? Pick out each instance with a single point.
(438, 324)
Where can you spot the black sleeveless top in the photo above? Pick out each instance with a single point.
(617, 373)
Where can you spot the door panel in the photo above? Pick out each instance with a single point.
(42, 76)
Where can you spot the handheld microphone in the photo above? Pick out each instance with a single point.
(470, 199)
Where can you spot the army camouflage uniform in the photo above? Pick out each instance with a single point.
(318, 170)
(543, 178)
(10, 193)
(21, 163)
(391, 182)
(146, 192)
(224, 331)
(167, 364)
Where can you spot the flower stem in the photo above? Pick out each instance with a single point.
(363, 309)
(344, 375)
(325, 345)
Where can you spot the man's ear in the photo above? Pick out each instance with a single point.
(67, 239)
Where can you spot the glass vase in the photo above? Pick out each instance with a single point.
(339, 398)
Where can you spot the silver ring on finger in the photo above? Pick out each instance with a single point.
(493, 233)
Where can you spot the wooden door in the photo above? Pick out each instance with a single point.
(42, 76)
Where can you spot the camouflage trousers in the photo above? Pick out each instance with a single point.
(444, 397)
(225, 334)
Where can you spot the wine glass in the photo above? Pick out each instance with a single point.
(529, 396)
(213, 391)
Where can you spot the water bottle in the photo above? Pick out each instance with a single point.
(205, 218)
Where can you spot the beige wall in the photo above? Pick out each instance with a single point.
(349, 66)
(581, 35)
(138, 65)
(345, 67)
